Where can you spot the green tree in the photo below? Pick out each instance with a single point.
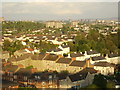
(100, 81)
(11, 47)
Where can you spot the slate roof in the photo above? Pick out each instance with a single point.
(98, 58)
(76, 55)
(78, 63)
(78, 76)
(35, 57)
(10, 68)
(51, 57)
(64, 46)
(38, 56)
(57, 50)
(25, 56)
(64, 60)
(6, 83)
(62, 76)
(113, 55)
(90, 70)
(12, 58)
(24, 72)
(44, 76)
(91, 52)
(50, 50)
(104, 64)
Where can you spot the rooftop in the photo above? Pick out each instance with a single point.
(104, 64)
(51, 57)
(98, 58)
(91, 52)
(64, 60)
(78, 63)
(76, 55)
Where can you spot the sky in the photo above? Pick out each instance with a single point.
(62, 10)
(60, 0)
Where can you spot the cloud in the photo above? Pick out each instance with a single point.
(64, 12)
(60, 0)
(41, 8)
(55, 10)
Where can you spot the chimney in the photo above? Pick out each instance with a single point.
(88, 64)
(34, 70)
(85, 53)
(47, 53)
(106, 56)
(20, 66)
(69, 55)
(60, 56)
(73, 59)
(90, 49)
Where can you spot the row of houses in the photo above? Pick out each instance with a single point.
(21, 77)
(55, 39)
(73, 64)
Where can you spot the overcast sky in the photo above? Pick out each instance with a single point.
(58, 10)
(60, 0)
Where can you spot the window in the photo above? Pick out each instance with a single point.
(50, 86)
(25, 78)
(50, 76)
(11, 74)
(36, 77)
(54, 76)
(39, 77)
(43, 83)
(11, 79)
(15, 77)
(50, 81)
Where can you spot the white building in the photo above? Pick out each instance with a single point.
(91, 53)
(113, 58)
(80, 79)
(104, 68)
